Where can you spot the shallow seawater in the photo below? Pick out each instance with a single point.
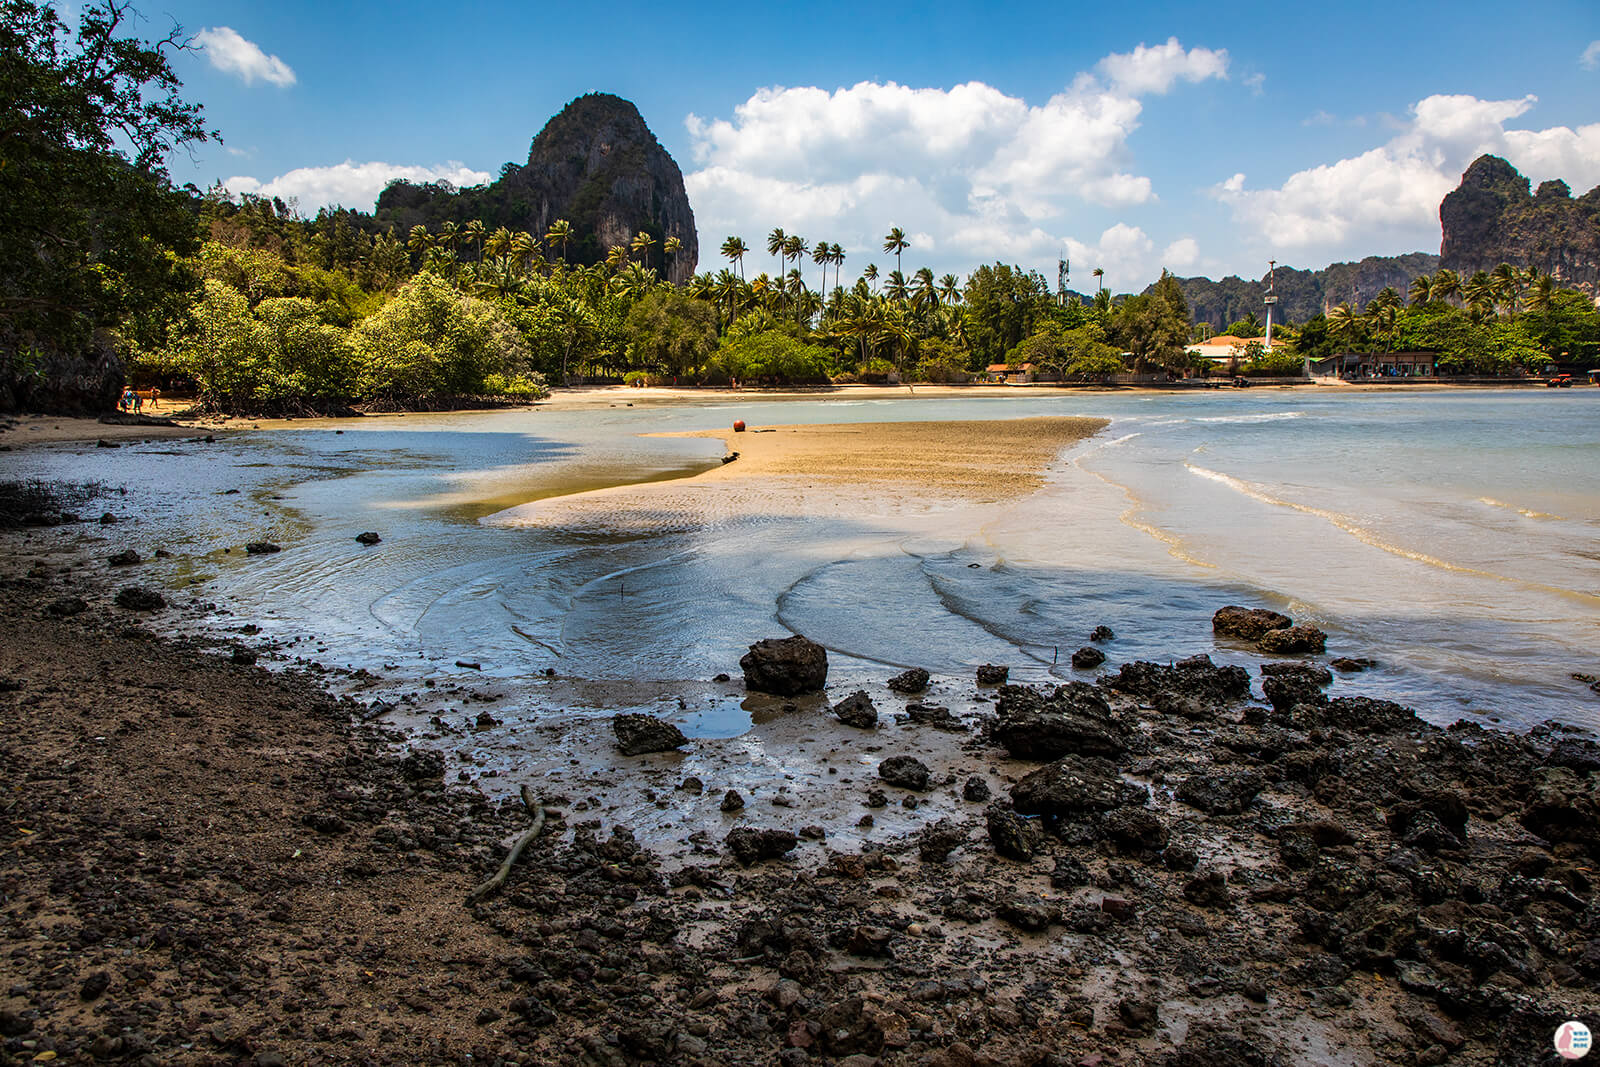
(1452, 536)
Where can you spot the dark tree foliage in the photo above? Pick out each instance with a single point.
(1003, 306)
(90, 214)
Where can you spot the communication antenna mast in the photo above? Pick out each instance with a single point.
(1061, 279)
(1272, 299)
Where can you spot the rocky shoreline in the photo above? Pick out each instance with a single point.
(208, 862)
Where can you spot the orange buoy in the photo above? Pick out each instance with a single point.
(738, 426)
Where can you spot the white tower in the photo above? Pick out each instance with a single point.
(1272, 298)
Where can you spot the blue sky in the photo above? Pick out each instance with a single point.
(1206, 138)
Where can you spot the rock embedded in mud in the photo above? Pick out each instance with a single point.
(906, 772)
(137, 598)
(1102, 633)
(1136, 830)
(63, 607)
(914, 680)
(1221, 793)
(1013, 836)
(1196, 677)
(1352, 665)
(732, 800)
(975, 790)
(1296, 640)
(423, 766)
(1367, 715)
(1575, 753)
(857, 710)
(1074, 786)
(1247, 624)
(262, 548)
(244, 657)
(126, 558)
(936, 716)
(1208, 889)
(369, 538)
(750, 845)
(936, 842)
(1087, 658)
(785, 666)
(1073, 719)
(638, 734)
(989, 674)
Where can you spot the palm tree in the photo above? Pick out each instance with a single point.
(524, 246)
(734, 249)
(450, 237)
(642, 243)
(1099, 273)
(949, 289)
(633, 280)
(1541, 293)
(670, 247)
(795, 247)
(895, 241)
(418, 240)
(498, 243)
(871, 273)
(1446, 285)
(837, 255)
(1507, 284)
(1345, 323)
(927, 293)
(1478, 292)
(560, 233)
(472, 231)
(1421, 290)
(775, 243)
(617, 257)
(895, 287)
(822, 255)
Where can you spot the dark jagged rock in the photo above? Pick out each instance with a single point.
(1492, 218)
(126, 558)
(1013, 836)
(638, 734)
(1352, 665)
(732, 800)
(1294, 640)
(1576, 753)
(975, 790)
(1367, 715)
(67, 605)
(936, 716)
(906, 772)
(596, 165)
(750, 845)
(989, 674)
(1074, 718)
(857, 710)
(1102, 633)
(262, 548)
(1208, 889)
(1075, 785)
(1221, 793)
(785, 666)
(369, 538)
(936, 842)
(1136, 830)
(1247, 624)
(914, 680)
(137, 598)
(1195, 677)
(1087, 658)
(1287, 689)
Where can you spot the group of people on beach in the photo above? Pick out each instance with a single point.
(132, 400)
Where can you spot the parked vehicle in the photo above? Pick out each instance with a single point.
(1560, 381)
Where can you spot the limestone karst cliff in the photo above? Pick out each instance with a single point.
(597, 165)
(1493, 218)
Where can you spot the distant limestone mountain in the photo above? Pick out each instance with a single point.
(1302, 294)
(596, 164)
(1492, 218)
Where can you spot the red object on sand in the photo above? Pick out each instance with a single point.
(738, 426)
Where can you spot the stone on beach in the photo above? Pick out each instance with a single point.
(857, 710)
(750, 845)
(137, 598)
(786, 666)
(1075, 785)
(1247, 624)
(1293, 640)
(1074, 718)
(638, 734)
(907, 772)
(914, 680)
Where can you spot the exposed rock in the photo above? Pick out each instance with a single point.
(1491, 218)
(262, 548)
(137, 598)
(1208, 889)
(750, 845)
(1247, 624)
(1221, 793)
(1027, 912)
(907, 772)
(732, 800)
(126, 558)
(935, 716)
(638, 734)
(1074, 718)
(785, 666)
(1011, 835)
(1367, 715)
(1102, 633)
(1195, 677)
(1075, 785)
(1136, 830)
(1352, 665)
(596, 165)
(975, 790)
(936, 842)
(989, 674)
(914, 680)
(857, 710)
(1576, 753)
(368, 538)
(67, 605)
(1294, 640)
(1087, 658)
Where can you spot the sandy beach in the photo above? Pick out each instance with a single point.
(212, 862)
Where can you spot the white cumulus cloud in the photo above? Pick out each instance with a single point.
(350, 184)
(968, 171)
(234, 54)
(1590, 59)
(1387, 199)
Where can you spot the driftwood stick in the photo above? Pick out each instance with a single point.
(536, 809)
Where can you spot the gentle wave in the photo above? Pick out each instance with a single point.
(1273, 416)
(1525, 512)
(1130, 518)
(1367, 537)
